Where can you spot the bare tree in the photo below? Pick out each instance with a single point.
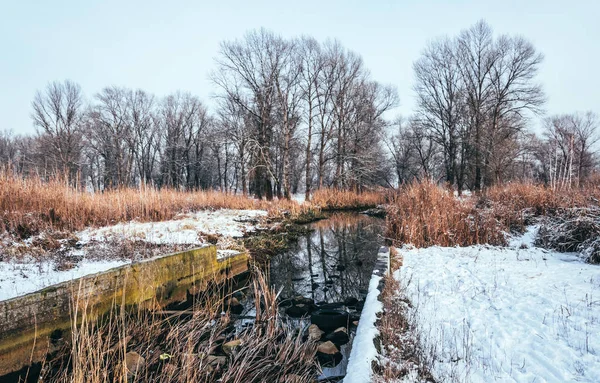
(57, 114)
(440, 95)
(476, 57)
(247, 73)
(312, 62)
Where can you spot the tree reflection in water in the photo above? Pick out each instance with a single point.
(331, 263)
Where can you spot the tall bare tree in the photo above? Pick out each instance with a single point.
(57, 114)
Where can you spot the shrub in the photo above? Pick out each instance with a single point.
(571, 230)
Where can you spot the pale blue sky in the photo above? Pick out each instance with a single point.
(162, 46)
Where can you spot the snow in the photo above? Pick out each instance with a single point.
(222, 254)
(363, 349)
(184, 230)
(20, 278)
(505, 314)
(299, 198)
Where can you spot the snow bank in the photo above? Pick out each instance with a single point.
(363, 349)
(505, 314)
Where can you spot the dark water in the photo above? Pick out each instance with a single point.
(331, 264)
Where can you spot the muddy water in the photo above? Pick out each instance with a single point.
(331, 264)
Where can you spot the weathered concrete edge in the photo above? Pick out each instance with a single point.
(26, 322)
(364, 346)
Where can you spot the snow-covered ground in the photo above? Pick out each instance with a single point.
(505, 314)
(187, 229)
(20, 278)
(26, 275)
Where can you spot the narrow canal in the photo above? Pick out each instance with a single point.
(328, 271)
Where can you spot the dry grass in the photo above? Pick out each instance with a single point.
(182, 349)
(30, 205)
(516, 204)
(333, 199)
(425, 214)
(403, 358)
(573, 230)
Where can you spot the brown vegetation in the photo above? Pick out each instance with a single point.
(199, 345)
(425, 214)
(333, 199)
(31, 205)
(516, 204)
(399, 340)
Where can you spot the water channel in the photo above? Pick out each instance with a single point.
(331, 266)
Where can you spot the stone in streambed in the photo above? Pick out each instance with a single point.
(231, 346)
(328, 354)
(315, 333)
(216, 360)
(134, 362)
(302, 300)
(298, 311)
(350, 302)
(339, 336)
(235, 307)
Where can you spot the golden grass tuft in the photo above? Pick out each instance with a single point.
(425, 214)
(514, 204)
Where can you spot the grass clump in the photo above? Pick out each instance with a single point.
(573, 230)
(424, 214)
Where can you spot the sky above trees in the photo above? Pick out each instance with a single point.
(164, 46)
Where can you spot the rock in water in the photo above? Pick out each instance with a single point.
(230, 346)
(216, 360)
(339, 336)
(350, 301)
(235, 307)
(298, 311)
(328, 354)
(315, 333)
(300, 300)
(327, 348)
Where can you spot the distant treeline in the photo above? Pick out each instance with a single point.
(298, 115)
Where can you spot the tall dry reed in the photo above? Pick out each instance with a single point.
(425, 214)
(30, 205)
(334, 199)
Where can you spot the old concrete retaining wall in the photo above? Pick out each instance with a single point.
(27, 322)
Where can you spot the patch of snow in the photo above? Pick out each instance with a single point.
(526, 240)
(222, 254)
(184, 230)
(363, 349)
(18, 278)
(505, 314)
(299, 197)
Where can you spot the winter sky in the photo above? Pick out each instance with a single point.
(164, 46)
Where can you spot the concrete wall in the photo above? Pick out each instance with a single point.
(27, 322)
